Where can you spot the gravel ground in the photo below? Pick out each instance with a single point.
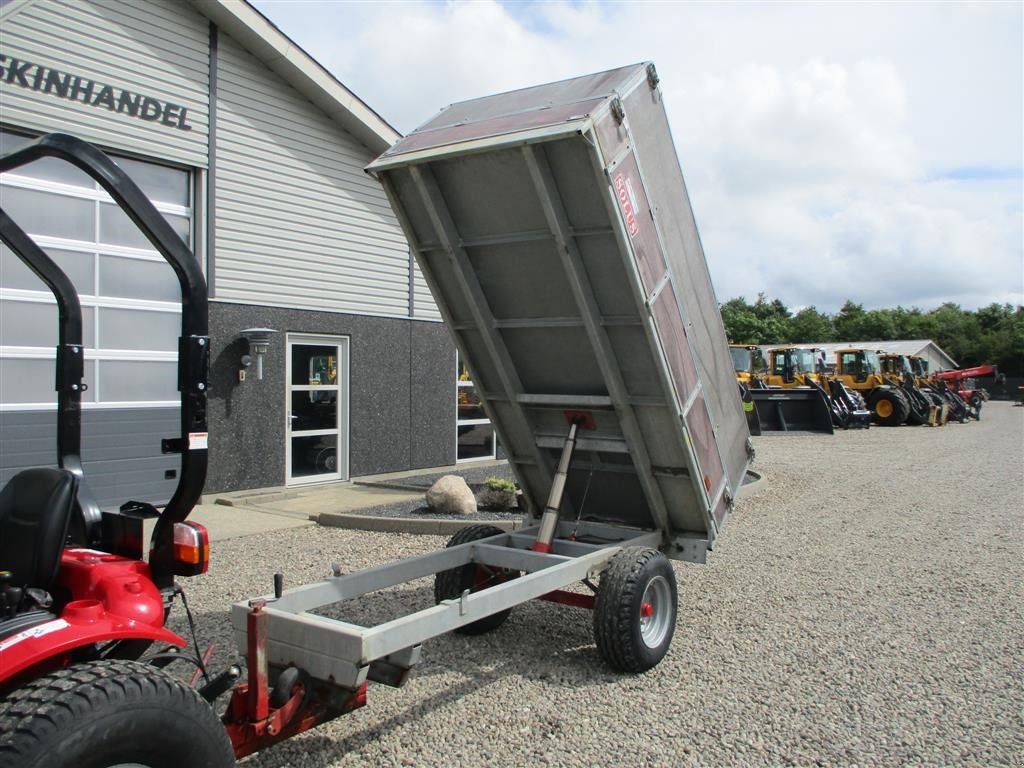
(864, 607)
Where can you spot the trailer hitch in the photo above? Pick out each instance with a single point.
(258, 716)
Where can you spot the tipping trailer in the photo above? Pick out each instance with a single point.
(553, 227)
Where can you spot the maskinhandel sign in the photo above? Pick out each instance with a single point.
(63, 85)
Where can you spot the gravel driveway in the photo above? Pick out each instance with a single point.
(864, 607)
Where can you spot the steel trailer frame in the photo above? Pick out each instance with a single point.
(349, 654)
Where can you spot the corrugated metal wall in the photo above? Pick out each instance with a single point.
(424, 307)
(298, 223)
(157, 49)
(120, 450)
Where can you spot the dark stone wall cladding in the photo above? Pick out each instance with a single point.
(402, 402)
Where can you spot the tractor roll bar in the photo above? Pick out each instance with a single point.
(193, 345)
(70, 375)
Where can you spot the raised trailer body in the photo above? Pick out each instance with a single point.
(553, 227)
(555, 231)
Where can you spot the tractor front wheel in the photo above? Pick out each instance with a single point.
(111, 713)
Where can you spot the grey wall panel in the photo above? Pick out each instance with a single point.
(432, 441)
(156, 49)
(402, 394)
(298, 223)
(120, 450)
(424, 306)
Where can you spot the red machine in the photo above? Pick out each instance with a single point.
(82, 637)
(963, 380)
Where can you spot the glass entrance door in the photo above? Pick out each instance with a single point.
(316, 410)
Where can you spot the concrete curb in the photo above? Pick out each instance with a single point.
(414, 525)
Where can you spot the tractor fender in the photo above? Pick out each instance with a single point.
(82, 623)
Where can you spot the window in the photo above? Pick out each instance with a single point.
(474, 433)
(130, 296)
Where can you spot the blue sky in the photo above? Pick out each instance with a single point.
(831, 150)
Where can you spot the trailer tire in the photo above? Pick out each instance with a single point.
(889, 407)
(449, 585)
(107, 713)
(635, 610)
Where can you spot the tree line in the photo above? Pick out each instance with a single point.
(992, 334)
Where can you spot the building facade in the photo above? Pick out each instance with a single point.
(254, 154)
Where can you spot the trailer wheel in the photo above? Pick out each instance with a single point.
(635, 610)
(889, 407)
(111, 713)
(449, 585)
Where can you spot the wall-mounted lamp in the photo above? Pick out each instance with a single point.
(259, 343)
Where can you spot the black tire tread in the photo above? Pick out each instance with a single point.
(614, 618)
(33, 718)
(901, 408)
(450, 584)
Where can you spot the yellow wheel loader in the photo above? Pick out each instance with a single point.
(778, 406)
(859, 370)
(799, 368)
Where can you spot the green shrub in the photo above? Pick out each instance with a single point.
(500, 484)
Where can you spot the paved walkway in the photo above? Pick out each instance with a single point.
(243, 513)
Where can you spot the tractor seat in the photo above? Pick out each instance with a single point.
(35, 509)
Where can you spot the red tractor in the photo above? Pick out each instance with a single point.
(83, 641)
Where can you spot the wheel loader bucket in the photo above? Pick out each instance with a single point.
(792, 410)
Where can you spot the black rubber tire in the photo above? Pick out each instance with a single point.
(618, 610)
(449, 585)
(897, 411)
(107, 713)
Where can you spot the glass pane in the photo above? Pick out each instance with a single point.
(463, 372)
(77, 266)
(475, 442)
(138, 329)
(24, 324)
(160, 183)
(43, 213)
(314, 455)
(314, 364)
(134, 381)
(117, 229)
(48, 168)
(138, 279)
(34, 381)
(314, 410)
(469, 404)
(27, 381)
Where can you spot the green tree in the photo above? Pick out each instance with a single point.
(774, 319)
(810, 326)
(848, 321)
(741, 324)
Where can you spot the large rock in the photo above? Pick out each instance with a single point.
(451, 496)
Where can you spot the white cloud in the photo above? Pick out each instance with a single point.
(810, 135)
